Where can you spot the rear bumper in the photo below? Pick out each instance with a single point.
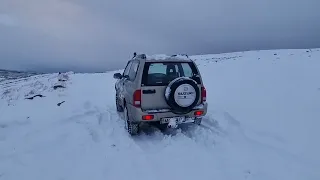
(137, 113)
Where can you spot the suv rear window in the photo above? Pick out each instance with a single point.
(161, 73)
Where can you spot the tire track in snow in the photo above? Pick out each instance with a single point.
(150, 149)
(122, 151)
(181, 151)
(204, 135)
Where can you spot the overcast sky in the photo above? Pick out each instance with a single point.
(100, 35)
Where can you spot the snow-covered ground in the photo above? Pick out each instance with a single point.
(262, 124)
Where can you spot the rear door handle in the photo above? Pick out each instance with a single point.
(149, 91)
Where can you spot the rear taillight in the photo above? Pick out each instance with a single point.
(148, 117)
(137, 98)
(203, 94)
(198, 113)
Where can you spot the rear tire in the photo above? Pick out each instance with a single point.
(131, 127)
(119, 108)
(197, 121)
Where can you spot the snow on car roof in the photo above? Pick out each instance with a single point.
(164, 57)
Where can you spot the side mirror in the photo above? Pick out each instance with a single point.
(117, 76)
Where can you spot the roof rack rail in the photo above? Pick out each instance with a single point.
(142, 56)
(180, 55)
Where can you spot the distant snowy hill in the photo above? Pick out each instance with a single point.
(7, 74)
(262, 124)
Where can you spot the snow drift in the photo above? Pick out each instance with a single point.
(262, 123)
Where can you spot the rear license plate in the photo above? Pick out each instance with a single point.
(177, 119)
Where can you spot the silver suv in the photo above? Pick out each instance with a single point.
(165, 90)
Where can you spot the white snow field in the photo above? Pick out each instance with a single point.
(262, 124)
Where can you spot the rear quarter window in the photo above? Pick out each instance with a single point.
(133, 70)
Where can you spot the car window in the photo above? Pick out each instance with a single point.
(161, 73)
(133, 70)
(127, 69)
(157, 68)
(187, 70)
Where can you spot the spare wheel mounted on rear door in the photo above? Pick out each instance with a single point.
(182, 95)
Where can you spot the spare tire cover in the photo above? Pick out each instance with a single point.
(182, 94)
